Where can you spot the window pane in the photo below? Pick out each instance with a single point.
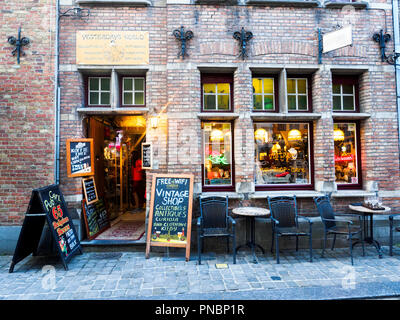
(336, 88)
(128, 84)
(128, 98)
(347, 89)
(94, 98)
(257, 102)
(302, 102)
(291, 86)
(268, 102)
(292, 102)
(223, 102)
(209, 102)
(281, 153)
(209, 87)
(105, 84)
(346, 171)
(217, 154)
(257, 85)
(268, 86)
(93, 83)
(139, 84)
(139, 98)
(301, 86)
(348, 103)
(337, 105)
(105, 98)
(223, 87)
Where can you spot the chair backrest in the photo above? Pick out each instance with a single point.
(214, 212)
(284, 209)
(325, 211)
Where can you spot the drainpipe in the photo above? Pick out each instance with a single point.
(57, 99)
(396, 36)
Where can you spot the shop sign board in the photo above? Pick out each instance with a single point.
(47, 205)
(89, 189)
(112, 47)
(96, 218)
(80, 157)
(337, 39)
(147, 156)
(170, 216)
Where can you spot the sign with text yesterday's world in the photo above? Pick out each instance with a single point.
(170, 216)
(112, 47)
(80, 157)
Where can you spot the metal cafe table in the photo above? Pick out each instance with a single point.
(251, 213)
(368, 225)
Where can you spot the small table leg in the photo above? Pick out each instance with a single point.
(369, 238)
(250, 222)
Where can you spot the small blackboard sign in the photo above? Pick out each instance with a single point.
(80, 157)
(96, 218)
(170, 216)
(89, 189)
(147, 156)
(47, 205)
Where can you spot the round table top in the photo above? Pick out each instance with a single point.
(367, 210)
(251, 211)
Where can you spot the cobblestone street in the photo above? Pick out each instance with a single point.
(128, 275)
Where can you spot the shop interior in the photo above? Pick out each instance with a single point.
(120, 179)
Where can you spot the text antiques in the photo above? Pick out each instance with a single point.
(47, 205)
(170, 215)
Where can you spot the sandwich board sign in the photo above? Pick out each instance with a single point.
(47, 205)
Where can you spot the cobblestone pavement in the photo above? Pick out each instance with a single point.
(128, 275)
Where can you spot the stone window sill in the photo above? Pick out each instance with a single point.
(268, 116)
(217, 116)
(341, 4)
(116, 111)
(132, 3)
(350, 116)
(285, 3)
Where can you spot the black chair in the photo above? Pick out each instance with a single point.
(392, 228)
(284, 219)
(331, 222)
(214, 221)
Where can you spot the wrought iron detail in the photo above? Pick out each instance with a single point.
(320, 49)
(243, 37)
(18, 43)
(382, 38)
(183, 36)
(75, 13)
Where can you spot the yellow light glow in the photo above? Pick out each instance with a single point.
(261, 135)
(338, 135)
(294, 135)
(216, 135)
(276, 147)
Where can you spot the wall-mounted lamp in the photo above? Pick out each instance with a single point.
(183, 36)
(154, 122)
(75, 12)
(18, 43)
(243, 37)
(382, 39)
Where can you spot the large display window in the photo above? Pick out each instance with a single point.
(282, 155)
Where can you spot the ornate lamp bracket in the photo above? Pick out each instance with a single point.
(382, 38)
(18, 43)
(183, 36)
(243, 37)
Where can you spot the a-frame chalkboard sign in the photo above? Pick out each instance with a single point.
(47, 205)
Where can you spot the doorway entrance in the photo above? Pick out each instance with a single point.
(120, 179)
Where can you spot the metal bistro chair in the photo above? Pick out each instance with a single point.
(392, 228)
(214, 221)
(330, 220)
(285, 222)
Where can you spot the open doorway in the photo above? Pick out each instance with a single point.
(120, 179)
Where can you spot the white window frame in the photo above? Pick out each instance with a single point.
(133, 91)
(216, 94)
(297, 94)
(99, 91)
(262, 94)
(341, 95)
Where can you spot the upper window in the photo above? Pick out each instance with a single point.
(345, 94)
(133, 91)
(298, 94)
(217, 93)
(99, 91)
(264, 94)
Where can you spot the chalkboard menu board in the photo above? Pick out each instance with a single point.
(96, 218)
(147, 156)
(47, 204)
(80, 158)
(170, 216)
(89, 189)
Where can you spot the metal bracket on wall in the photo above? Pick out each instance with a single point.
(18, 43)
(243, 37)
(183, 36)
(320, 49)
(382, 38)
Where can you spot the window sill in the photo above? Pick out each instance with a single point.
(120, 111)
(350, 116)
(352, 193)
(341, 4)
(285, 116)
(131, 3)
(231, 195)
(297, 193)
(285, 3)
(217, 116)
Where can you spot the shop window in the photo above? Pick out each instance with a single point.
(133, 91)
(282, 155)
(217, 151)
(347, 164)
(345, 94)
(298, 94)
(217, 93)
(264, 93)
(99, 91)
